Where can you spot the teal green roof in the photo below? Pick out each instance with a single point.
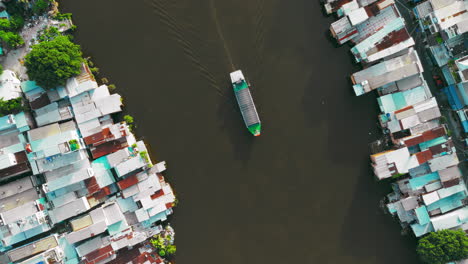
(448, 203)
(117, 227)
(392, 102)
(422, 215)
(432, 142)
(419, 182)
(28, 86)
(420, 230)
(21, 122)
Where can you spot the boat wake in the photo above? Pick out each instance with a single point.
(220, 33)
(176, 30)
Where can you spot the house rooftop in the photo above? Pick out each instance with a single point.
(451, 14)
(69, 210)
(10, 85)
(450, 220)
(83, 82)
(392, 38)
(386, 72)
(32, 249)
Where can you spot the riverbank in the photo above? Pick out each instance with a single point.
(422, 160)
(76, 185)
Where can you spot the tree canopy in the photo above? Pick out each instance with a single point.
(51, 63)
(13, 40)
(40, 6)
(443, 246)
(12, 106)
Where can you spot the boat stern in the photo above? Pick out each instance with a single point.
(255, 129)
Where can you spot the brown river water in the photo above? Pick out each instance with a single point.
(303, 191)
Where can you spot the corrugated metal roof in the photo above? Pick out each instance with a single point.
(13, 188)
(69, 210)
(127, 182)
(87, 232)
(422, 215)
(424, 156)
(450, 173)
(443, 162)
(81, 222)
(32, 249)
(450, 220)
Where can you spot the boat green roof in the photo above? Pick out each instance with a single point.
(240, 86)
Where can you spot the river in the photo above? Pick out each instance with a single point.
(302, 192)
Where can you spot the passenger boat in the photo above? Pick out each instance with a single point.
(246, 104)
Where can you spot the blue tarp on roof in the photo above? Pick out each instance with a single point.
(448, 75)
(465, 126)
(462, 93)
(452, 96)
(463, 120)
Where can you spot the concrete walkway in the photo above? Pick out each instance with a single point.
(14, 59)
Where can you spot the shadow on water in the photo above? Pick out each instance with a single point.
(230, 121)
(364, 234)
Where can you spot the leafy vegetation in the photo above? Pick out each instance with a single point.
(49, 33)
(12, 106)
(129, 120)
(51, 63)
(443, 246)
(16, 22)
(398, 175)
(145, 157)
(163, 245)
(74, 145)
(41, 6)
(62, 16)
(13, 40)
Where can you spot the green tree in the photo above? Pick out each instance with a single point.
(40, 6)
(13, 40)
(49, 34)
(16, 22)
(12, 106)
(443, 246)
(128, 119)
(171, 250)
(51, 63)
(5, 24)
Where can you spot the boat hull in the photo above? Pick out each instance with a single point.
(246, 103)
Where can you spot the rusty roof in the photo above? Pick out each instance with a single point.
(98, 137)
(424, 156)
(129, 181)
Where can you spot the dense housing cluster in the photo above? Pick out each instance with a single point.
(419, 154)
(76, 187)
